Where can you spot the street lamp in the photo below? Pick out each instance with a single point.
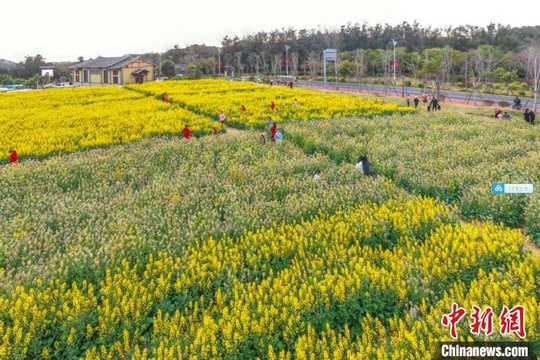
(159, 74)
(287, 47)
(394, 42)
(219, 61)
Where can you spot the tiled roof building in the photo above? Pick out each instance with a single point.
(120, 70)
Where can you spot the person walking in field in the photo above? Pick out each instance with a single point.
(221, 117)
(273, 131)
(165, 97)
(529, 116)
(408, 99)
(244, 108)
(13, 157)
(278, 136)
(272, 106)
(434, 104)
(517, 103)
(367, 166)
(416, 101)
(364, 166)
(187, 132)
(424, 98)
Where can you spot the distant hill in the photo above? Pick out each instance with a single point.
(6, 64)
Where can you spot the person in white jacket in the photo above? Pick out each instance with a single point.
(363, 165)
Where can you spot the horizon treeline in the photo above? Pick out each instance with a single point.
(495, 51)
(365, 50)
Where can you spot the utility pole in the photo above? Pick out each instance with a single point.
(219, 61)
(324, 67)
(159, 74)
(394, 42)
(287, 59)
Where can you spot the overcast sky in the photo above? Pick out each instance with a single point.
(62, 30)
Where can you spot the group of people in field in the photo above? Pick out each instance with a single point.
(528, 115)
(499, 114)
(276, 134)
(433, 102)
(434, 105)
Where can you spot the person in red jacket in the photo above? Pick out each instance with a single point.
(13, 157)
(187, 132)
(273, 130)
(272, 106)
(243, 108)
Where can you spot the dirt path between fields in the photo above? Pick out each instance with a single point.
(232, 131)
(532, 248)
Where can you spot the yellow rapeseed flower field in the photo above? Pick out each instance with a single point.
(341, 295)
(65, 120)
(223, 247)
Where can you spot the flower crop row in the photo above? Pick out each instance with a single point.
(72, 214)
(39, 123)
(65, 120)
(210, 97)
(372, 281)
(440, 155)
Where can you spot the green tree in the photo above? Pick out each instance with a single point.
(29, 68)
(505, 76)
(193, 71)
(168, 69)
(61, 73)
(346, 68)
(5, 79)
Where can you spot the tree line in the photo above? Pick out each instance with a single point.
(471, 56)
(468, 55)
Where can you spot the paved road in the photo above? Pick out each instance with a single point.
(448, 96)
